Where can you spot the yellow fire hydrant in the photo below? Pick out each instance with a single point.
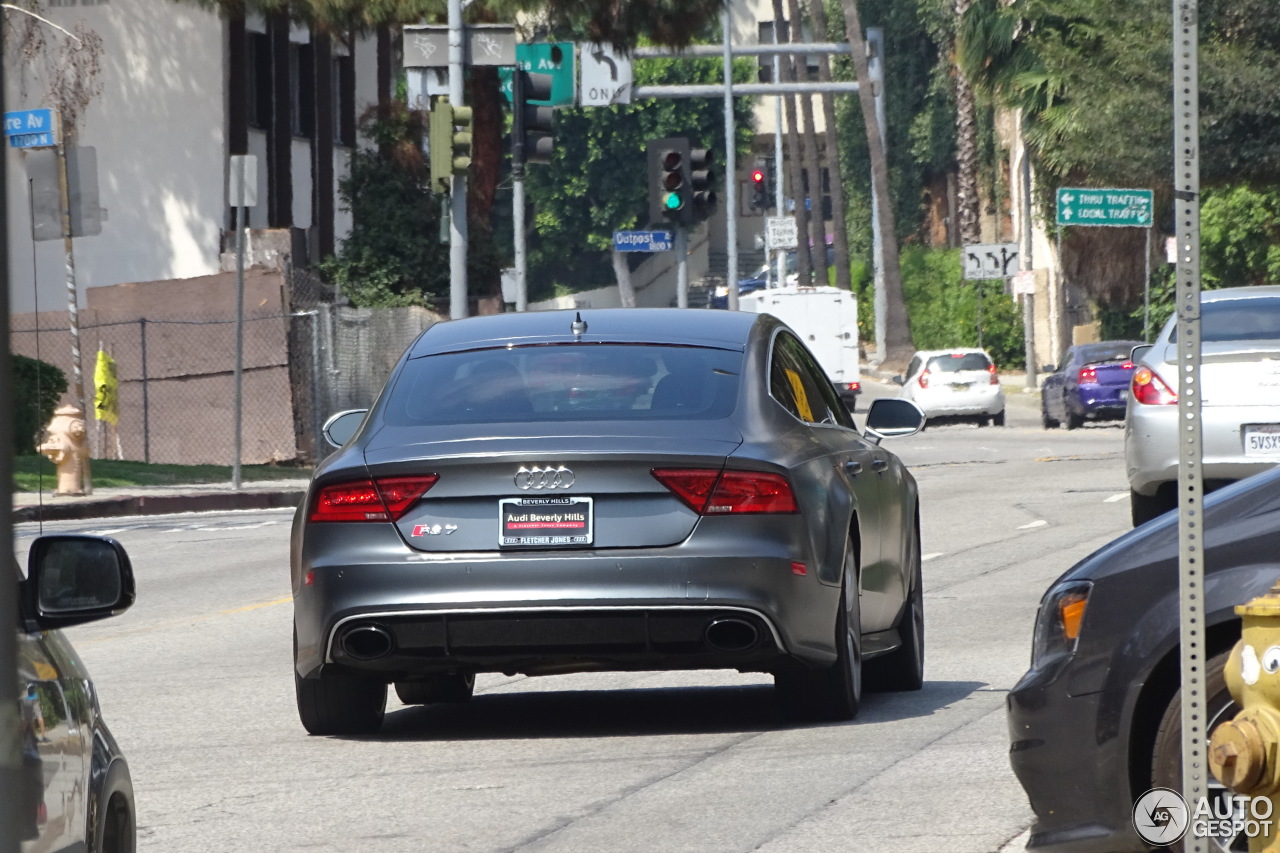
(66, 443)
(1245, 753)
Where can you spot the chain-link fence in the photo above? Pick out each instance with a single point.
(176, 374)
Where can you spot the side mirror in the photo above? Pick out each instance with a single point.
(1050, 368)
(898, 380)
(339, 429)
(1139, 352)
(890, 417)
(75, 579)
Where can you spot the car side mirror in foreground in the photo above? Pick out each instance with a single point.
(340, 427)
(1049, 368)
(1139, 352)
(889, 417)
(898, 380)
(76, 579)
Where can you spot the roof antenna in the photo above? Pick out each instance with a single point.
(578, 326)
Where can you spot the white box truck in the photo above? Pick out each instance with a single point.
(826, 319)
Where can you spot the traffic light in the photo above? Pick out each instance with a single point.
(460, 140)
(760, 188)
(670, 193)
(699, 180)
(440, 143)
(532, 126)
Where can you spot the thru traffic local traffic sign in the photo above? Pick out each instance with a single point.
(642, 241)
(1113, 207)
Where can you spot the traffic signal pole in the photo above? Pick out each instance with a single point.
(730, 168)
(458, 191)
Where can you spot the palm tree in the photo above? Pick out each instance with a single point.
(844, 281)
(795, 155)
(967, 202)
(897, 327)
(812, 165)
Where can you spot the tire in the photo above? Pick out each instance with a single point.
(338, 703)
(903, 668)
(834, 693)
(998, 418)
(1049, 423)
(1074, 421)
(1143, 508)
(1166, 754)
(116, 827)
(441, 687)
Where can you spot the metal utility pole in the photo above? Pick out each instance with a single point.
(238, 199)
(1028, 299)
(458, 193)
(517, 188)
(730, 166)
(779, 197)
(875, 72)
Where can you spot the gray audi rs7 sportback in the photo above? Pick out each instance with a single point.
(641, 489)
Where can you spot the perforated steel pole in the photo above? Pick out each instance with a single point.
(1186, 146)
(730, 167)
(458, 192)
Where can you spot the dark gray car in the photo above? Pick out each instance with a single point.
(554, 492)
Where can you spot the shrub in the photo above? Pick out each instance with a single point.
(37, 387)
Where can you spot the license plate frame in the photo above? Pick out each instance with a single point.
(1261, 441)
(546, 522)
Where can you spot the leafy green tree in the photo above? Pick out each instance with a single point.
(37, 387)
(597, 181)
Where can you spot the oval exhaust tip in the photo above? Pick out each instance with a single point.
(731, 635)
(367, 642)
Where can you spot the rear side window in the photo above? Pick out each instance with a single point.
(956, 362)
(569, 382)
(1253, 319)
(1107, 352)
(801, 387)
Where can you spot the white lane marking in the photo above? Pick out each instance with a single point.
(930, 556)
(1115, 498)
(1039, 522)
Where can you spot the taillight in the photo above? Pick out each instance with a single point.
(995, 376)
(853, 386)
(924, 379)
(1149, 388)
(1087, 374)
(380, 499)
(711, 492)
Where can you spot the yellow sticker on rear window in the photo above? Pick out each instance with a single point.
(802, 399)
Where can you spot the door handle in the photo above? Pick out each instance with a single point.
(853, 469)
(880, 466)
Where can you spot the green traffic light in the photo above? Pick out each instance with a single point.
(671, 201)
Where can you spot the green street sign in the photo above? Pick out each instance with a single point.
(1112, 207)
(554, 58)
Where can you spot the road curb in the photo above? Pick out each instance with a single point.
(158, 505)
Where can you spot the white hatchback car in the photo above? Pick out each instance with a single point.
(1240, 401)
(955, 383)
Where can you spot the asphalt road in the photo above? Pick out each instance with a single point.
(195, 681)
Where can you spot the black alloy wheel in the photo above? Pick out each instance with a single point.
(1166, 755)
(903, 668)
(834, 693)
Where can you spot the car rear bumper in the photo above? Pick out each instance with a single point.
(1151, 447)
(1077, 782)
(972, 402)
(605, 609)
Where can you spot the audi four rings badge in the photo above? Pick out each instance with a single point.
(538, 477)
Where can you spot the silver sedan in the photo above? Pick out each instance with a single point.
(554, 492)
(1240, 400)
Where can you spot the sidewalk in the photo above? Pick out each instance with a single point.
(158, 500)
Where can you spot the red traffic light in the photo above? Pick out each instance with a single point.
(757, 177)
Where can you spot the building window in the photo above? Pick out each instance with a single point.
(258, 57)
(302, 88)
(343, 88)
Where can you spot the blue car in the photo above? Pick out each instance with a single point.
(1090, 384)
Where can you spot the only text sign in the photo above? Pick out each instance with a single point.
(990, 260)
(1113, 207)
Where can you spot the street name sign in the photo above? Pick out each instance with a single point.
(990, 260)
(642, 241)
(30, 128)
(1118, 208)
(554, 58)
(780, 232)
(606, 76)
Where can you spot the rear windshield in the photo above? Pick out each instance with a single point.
(1252, 319)
(958, 361)
(1117, 351)
(569, 382)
